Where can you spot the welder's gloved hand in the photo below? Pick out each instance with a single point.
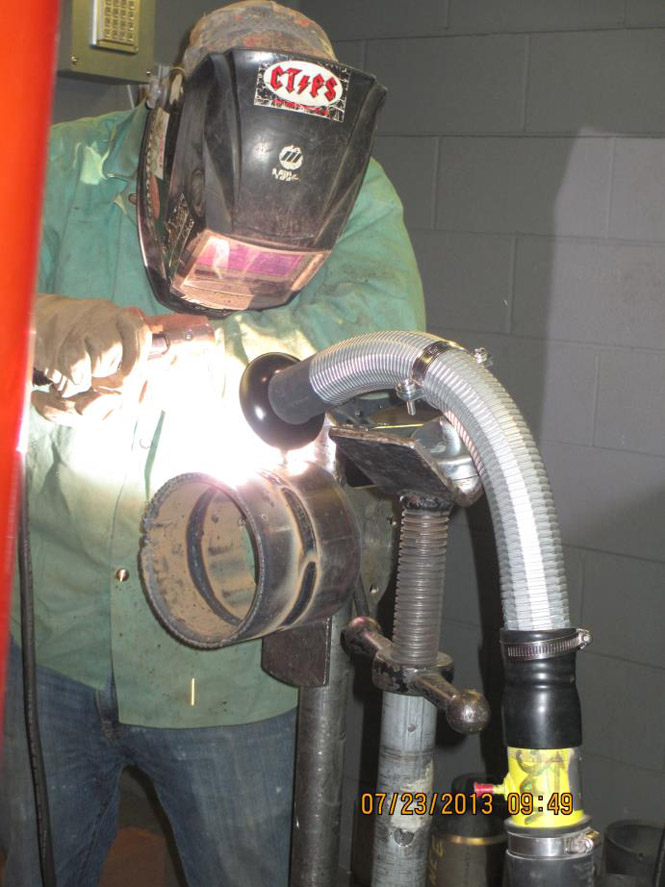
(93, 352)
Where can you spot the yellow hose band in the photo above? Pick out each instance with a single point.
(543, 788)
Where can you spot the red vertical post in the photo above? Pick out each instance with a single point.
(27, 49)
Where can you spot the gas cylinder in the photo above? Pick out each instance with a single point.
(468, 841)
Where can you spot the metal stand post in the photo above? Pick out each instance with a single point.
(408, 726)
(320, 769)
(311, 657)
(401, 842)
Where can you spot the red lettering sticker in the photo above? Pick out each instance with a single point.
(304, 87)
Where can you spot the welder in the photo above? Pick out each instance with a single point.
(242, 187)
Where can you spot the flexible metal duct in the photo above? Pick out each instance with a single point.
(533, 584)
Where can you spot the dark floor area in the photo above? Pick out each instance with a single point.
(143, 853)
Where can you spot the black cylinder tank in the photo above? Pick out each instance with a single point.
(466, 848)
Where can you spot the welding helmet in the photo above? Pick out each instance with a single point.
(250, 167)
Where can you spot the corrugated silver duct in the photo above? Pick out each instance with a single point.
(533, 584)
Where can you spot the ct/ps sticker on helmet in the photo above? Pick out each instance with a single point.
(303, 87)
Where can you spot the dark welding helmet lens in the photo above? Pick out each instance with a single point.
(230, 274)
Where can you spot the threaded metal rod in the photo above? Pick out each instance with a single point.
(408, 724)
(419, 592)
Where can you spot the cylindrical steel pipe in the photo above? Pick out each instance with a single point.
(401, 840)
(225, 564)
(320, 770)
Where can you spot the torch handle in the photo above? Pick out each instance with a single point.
(170, 332)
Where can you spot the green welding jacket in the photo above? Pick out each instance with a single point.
(89, 486)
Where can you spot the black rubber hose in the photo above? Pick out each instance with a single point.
(44, 834)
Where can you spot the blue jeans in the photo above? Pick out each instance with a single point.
(227, 791)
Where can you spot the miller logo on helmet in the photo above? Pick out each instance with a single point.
(304, 87)
(291, 157)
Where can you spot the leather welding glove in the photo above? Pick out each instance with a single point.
(93, 352)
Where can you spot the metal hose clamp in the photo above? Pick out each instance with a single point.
(530, 651)
(423, 361)
(580, 842)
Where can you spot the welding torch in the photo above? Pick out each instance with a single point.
(172, 335)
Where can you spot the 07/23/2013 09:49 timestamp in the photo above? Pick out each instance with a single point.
(451, 803)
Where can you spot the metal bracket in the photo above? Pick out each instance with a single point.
(432, 463)
(299, 656)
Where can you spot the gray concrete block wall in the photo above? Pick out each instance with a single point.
(527, 140)
(475, 86)
(534, 15)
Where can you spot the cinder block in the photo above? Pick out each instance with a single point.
(553, 384)
(410, 164)
(605, 293)
(350, 20)
(631, 412)
(645, 12)
(467, 279)
(462, 84)
(525, 185)
(624, 606)
(481, 16)
(638, 190)
(351, 52)
(615, 791)
(576, 84)
(609, 500)
(623, 715)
